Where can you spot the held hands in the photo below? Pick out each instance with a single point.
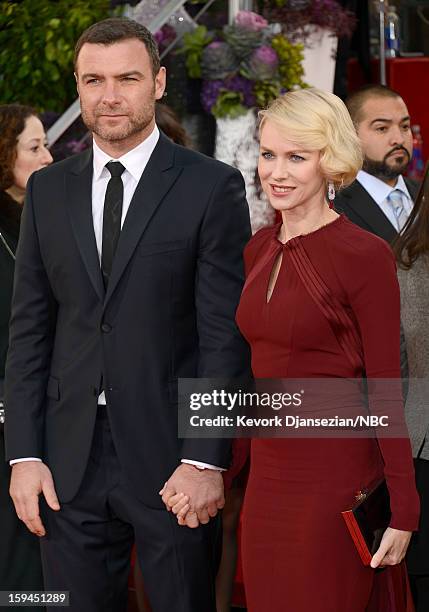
(392, 549)
(194, 496)
(28, 480)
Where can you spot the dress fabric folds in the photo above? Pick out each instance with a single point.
(333, 313)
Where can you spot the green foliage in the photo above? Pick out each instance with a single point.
(37, 41)
(291, 57)
(193, 46)
(265, 92)
(229, 104)
(290, 71)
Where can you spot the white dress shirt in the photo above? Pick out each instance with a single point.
(134, 162)
(380, 191)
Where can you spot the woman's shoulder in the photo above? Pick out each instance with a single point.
(362, 261)
(259, 240)
(355, 243)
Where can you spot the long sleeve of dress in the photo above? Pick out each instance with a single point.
(373, 294)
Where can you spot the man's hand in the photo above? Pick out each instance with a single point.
(203, 490)
(28, 480)
(392, 549)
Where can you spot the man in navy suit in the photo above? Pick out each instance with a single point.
(128, 274)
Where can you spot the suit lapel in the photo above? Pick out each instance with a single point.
(413, 188)
(368, 210)
(79, 204)
(157, 179)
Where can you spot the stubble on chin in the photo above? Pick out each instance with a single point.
(133, 126)
(106, 133)
(113, 134)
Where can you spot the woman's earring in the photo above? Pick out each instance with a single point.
(331, 194)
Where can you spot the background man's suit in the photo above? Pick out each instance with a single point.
(357, 204)
(168, 312)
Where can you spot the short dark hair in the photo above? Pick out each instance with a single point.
(357, 99)
(115, 29)
(12, 123)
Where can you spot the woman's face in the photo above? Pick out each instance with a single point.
(31, 152)
(290, 175)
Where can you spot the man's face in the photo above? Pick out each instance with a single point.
(386, 137)
(118, 91)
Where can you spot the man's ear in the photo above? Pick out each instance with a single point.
(76, 78)
(357, 125)
(160, 83)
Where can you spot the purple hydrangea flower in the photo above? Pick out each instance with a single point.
(211, 90)
(165, 36)
(209, 94)
(158, 36)
(244, 86)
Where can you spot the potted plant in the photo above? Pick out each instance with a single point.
(242, 67)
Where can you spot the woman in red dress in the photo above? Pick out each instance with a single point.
(297, 553)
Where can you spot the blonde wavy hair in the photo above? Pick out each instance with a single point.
(319, 121)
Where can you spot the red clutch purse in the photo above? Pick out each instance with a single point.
(368, 519)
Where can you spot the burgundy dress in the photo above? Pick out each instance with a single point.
(297, 553)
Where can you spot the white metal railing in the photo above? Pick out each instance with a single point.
(239, 5)
(180, 36)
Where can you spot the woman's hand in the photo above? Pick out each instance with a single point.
(392, 549)
(179, 505)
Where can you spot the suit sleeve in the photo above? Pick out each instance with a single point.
(375, 299)
(32, 327)
(223, 353)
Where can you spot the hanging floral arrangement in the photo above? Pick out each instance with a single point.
(244, 65)
(296, 15)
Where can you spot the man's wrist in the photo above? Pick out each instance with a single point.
(202, 466)
(23, 460)
(197, 467)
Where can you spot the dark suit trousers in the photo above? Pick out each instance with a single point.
(88, 543)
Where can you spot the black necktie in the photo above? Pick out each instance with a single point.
(111, 218)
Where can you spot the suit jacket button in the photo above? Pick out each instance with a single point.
(106, 328)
